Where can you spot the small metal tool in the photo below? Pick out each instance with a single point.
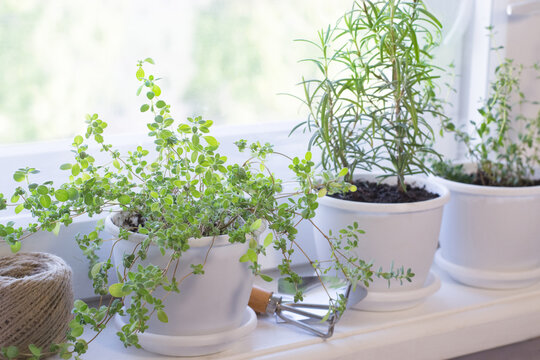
(304, 315)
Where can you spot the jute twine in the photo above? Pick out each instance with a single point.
(36, 298)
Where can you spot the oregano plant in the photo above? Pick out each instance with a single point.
(504, 143)
(182, 189)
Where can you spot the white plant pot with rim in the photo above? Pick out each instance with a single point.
(209, 308)
(403, 234)
(490, 236)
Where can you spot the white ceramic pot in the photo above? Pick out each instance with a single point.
(403, 234)
(490, 236)
(212, 303)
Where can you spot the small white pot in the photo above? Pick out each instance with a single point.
(400, 234)
(490, 236)
(211, 303)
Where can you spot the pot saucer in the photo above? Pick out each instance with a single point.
(486, 279)
(195, 345)
(399, 300)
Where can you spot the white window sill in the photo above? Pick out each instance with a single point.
(457, 320)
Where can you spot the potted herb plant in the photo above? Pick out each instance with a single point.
(369, 111)
(490, 230)
(185, 227)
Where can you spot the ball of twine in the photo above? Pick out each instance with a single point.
(36, 298)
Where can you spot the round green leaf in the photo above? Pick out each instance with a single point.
(124, 199)
(45, 201)
(75, 170)
(12, 352)
(78, 140)
(77, 331)
(116, 290)
(145, 107)
(15, 247)
(42, 190)
(19, 176)
(65, 166)
(73, 193)
(160, 103)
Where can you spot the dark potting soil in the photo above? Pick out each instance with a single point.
(372, 192)
(129, 221)
(477, 180)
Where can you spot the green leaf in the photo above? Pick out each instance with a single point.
(61, 195)
(75, 170)
(124, 199)
(116, 290)
(149, 60)
(12, 352)
(343, 172)
(244, 258)
(162, 316)
(65, 166)
(211, 140)
(156, 90)
(77, 331)
(19, 176)
(268, 239)
(145, 107)
(19, 208)
(140, 73)
(34, 350)
(252, 255)
(56, 229)
(256, 225)
(322, 193)
(266, 278)
(15, 247)
(45, 201)
(42, 190)
(78, 140)
(95, 269)
(116, 164)
(15, 198)
(160, 103)
(73, 193)
(308, 156)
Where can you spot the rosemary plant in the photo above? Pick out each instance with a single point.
(371, 104)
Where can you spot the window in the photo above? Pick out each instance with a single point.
(224, 59)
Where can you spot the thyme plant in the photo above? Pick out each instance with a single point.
(505, 143)
(184, 189)
(371, 104)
